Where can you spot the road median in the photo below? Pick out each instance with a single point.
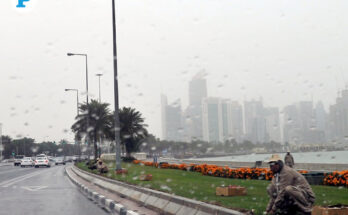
(162, 202)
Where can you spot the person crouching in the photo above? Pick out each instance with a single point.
(101, 167)
(289, 191)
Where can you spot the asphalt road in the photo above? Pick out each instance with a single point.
(46, 191)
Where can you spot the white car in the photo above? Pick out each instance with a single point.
(27, 161)
(18, 160)
(42, 161)
(60, 160)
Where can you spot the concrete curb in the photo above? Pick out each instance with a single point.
(6, 164)
(159, 201)
(108, 204)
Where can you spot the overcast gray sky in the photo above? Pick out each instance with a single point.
(284, 51)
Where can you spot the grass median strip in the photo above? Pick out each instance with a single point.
(195, 186)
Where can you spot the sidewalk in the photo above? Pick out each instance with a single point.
(130, 205)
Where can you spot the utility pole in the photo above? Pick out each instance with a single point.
(117, 119)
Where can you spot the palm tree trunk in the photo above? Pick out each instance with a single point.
(95, 146)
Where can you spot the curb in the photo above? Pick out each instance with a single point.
(161, 202)
(108, 204)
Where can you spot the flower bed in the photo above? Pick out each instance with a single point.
(218, 171)
(337, 178)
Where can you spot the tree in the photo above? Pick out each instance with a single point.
(99, 120)
(133, 129)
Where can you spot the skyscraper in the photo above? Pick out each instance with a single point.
(339, 119)
(236, 121)
(197, 91)
(221, 120)
(172, 128)
(211, 120)
(255, 122)
(272, 124)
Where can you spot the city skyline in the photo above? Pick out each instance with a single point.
(221, 119)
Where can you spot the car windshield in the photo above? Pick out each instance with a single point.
(227, 106)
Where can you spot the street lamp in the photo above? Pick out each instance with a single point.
(87, 128)
(99, 75)
(77, 97)
(117, 118)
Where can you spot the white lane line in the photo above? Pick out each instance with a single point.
(34, 188)
(20, 178)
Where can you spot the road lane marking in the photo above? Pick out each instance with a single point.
(34, 188)
(20, 178)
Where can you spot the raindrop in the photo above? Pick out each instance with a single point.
(126, 136)
(165, 187)
(60, 150)
(153, 148)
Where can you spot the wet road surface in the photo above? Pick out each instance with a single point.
(41, 191)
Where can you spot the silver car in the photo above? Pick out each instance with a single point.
(42, 161)
(60, 160)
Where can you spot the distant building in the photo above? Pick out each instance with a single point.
(172, 128)
(197, 92)
(300, 124)
(255, 122)
(338, 119)
(272, 124)
(236, 121)
(211, 120)
(222, 120)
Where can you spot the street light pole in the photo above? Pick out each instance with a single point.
(117, 119)
(99, 75)
(77, 99)
(87, 128)
(78, 114)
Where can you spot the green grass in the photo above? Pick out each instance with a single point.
(195, 186)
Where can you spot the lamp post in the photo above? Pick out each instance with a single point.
(78, 113)
(100, 138)
(87, 127)
(77, 98)
(117, 119)
(99, 75)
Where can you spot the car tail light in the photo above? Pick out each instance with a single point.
(46, 161)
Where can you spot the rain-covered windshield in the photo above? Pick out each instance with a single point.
(223, 106)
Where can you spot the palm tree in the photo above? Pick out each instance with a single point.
(133, 130)
(99, 119)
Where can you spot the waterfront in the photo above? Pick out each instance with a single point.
(332, 157)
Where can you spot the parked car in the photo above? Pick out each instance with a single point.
(42, 161)
(60, 160)
(18, 160)
(27, 161)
